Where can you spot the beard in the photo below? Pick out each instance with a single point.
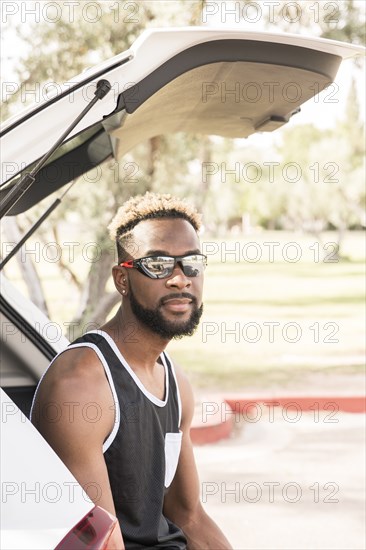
(156, 322)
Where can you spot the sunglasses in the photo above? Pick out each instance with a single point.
(160, 267)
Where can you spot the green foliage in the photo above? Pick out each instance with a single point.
(325, 196)
(63, 49)
(331, 191)
(59, 52)
(343, 20)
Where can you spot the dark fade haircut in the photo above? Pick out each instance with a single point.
(147, 207)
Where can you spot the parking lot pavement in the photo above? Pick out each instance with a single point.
(285, 484)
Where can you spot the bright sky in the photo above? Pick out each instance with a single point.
(322, 111)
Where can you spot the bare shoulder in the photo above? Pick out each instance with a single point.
(75, 361)
(73, 389)
(74, 372)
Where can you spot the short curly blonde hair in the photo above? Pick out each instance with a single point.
(147, 207)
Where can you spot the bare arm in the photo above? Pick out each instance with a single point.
(74, 412)
(182, 503)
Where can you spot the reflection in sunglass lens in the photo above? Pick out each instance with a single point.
(159, 266)
(193, 265)
(162, 266)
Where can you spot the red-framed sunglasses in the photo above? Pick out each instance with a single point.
(160, 267)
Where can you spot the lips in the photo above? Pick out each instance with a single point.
(180, 305)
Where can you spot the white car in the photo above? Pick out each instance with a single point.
(197, 80)
(42, 504)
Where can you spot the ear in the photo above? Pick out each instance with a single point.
(120, 279)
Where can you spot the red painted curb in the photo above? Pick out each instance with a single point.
(209, 423)
(215, 421)
(353, 404)
(211, 433)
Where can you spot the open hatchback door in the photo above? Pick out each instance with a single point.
(198, 80)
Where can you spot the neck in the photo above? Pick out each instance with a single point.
(139, 345)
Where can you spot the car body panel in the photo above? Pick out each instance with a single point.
(41, 499)
(156, 46)
(93, 532)
(29, 341)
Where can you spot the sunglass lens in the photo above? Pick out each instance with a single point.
(193, 265)
(158, 267)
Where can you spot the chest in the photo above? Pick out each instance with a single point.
(155, 382)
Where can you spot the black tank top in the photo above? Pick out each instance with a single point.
(142, 451)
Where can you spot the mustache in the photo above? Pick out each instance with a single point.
(177, 296)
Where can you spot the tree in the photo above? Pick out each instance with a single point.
(176, 163)
(329, 191)
(342, 20)
(60, 51)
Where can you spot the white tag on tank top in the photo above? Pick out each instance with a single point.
(173, 443)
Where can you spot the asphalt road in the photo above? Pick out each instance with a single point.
(289, 481)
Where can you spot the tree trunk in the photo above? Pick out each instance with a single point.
(27, 268)
(95, 303)
(205, 157)
(153, 145)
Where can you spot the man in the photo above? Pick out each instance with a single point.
(136, 460)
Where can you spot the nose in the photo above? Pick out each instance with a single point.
(178, 279)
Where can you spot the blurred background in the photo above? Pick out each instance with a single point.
(284, 232)
(283, 212)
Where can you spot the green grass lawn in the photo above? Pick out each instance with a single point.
(274, 321)
(314, 309)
